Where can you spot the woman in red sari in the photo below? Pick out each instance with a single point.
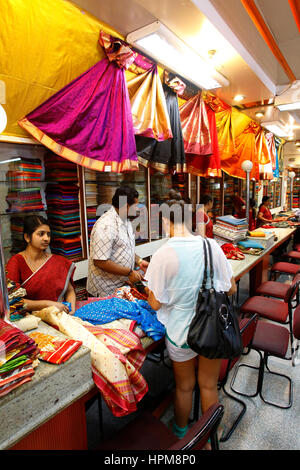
(204, 224)
(46, 277)
(264, 214)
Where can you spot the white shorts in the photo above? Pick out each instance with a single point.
(179, 354)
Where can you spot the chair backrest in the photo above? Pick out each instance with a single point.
(293, 289)
(296, 323)
(247, 330)
(205, 428)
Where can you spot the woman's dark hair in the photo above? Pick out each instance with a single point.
(178, 210)
(124, 191)
(173, 194)
(32, 222)
(205, 199)
(265, 199)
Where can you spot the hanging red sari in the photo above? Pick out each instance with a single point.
(195, 127)
(49, 282)
(207, 164)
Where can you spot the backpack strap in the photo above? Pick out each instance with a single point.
(210, 263)
(205, 265)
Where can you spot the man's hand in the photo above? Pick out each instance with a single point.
(135, 276)
(144, 265)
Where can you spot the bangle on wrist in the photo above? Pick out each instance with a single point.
(131, 270)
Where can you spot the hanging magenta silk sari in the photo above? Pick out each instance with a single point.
(89, 121)
(49, 282)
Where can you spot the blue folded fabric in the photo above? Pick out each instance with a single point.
(107, 310)
(250, 244)
(229, 219)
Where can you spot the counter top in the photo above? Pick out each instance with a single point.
(52, 388)
(241, 267)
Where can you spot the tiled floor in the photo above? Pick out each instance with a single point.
(263, 427)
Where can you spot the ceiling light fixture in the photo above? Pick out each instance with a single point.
(259, 114)
(277, 128)
(239, 98)
(288, 106)
(297, 143)
(157, 41)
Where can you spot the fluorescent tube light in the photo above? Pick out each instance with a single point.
(288, 106)
(167, 49)
(277, 128)
(11, 160)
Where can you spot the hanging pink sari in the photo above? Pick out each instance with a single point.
(49, 282)
(89, 121)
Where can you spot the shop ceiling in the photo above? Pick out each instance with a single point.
(260, 60)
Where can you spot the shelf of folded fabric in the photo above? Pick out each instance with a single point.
(64, 218)
(80, 290)
(231, 187)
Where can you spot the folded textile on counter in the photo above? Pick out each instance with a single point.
(18, 357)
(116, 356)
(257, 233)
(114, 308)
(250, 244)
(232, 252)
(27, 323)
(54, 349)
(251, 251)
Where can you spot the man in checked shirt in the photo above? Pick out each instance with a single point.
(112, 247)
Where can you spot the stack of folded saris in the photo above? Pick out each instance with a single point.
(24, 200)
(64, 218)
(24, 170)
(230, 228)
(18, 357)
(59, 169)
(16, 294)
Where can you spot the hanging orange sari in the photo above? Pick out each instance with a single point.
(245, 148)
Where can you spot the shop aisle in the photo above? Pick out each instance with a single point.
(263, 427)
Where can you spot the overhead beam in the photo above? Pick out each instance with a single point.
(295, 7)
(263, 29)
(212, 14)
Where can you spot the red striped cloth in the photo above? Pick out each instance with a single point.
(54, 349)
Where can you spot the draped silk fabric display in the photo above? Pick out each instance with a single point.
(195, 127)
(245, 149)
(148, 106)
(89, 121)
(167, 155)
(200, 137)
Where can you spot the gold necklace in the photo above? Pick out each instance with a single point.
(31, 266)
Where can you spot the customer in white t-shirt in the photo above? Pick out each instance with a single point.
(174, 277)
